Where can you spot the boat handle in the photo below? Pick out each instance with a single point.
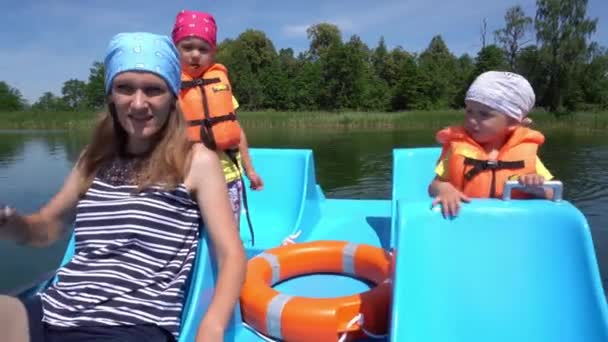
(556, 186)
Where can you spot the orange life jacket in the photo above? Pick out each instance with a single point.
(471, 171)
(207, 105)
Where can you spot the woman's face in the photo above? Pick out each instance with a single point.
(143, 102)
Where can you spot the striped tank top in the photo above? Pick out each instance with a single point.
(133, 255)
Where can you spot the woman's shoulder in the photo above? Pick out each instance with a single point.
(202, 157)
(201, 162)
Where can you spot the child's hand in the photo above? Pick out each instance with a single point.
(531, 180)
(534, 183)
(256, 182)
(449, 198)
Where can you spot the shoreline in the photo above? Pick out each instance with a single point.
(580, 122)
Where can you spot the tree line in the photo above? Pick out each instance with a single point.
(553, 50)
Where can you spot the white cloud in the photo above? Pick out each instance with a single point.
(345, 24)
(354, 19)
(299, 31)
(295, 31)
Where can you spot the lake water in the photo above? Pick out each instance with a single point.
(349, 164)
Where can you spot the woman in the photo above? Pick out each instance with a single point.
(139, 195)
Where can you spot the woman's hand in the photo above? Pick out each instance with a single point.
(206, 181)
(209, 332)
(46, 226)
(5, 214)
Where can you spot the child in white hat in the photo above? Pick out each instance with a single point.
(493, 146)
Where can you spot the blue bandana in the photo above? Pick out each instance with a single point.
(142, 51)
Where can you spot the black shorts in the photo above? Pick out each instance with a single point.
(42, 332)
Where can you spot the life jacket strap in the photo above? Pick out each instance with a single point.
(208, 122)
(199, 82)
(483, 165)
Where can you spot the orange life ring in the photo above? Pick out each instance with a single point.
(296, 318)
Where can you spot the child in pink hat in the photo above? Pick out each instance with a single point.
(195, 35)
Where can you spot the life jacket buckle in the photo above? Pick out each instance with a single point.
(490, 165)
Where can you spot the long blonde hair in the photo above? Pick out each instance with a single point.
(165, 165)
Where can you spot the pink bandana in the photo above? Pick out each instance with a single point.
(195, 24)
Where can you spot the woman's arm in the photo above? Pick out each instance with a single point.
(45, 226)
(207, 181)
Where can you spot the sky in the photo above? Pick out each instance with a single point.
(46, 42)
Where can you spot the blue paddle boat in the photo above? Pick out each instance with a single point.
(503, 270)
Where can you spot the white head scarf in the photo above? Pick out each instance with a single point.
(506, 92)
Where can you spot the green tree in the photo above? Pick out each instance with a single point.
(74, 94)
(248, 57)
(342, 71)
(409, 90)
(465, 69)
(257, 50)
(386, 64)
(225, 50)
(10, 98)
(287, 73)
(563, 29)
(288, 62)
(489, 58)
(437, 67)
(565, 69)
(513, 36)
(594, 78)
(322, 37)
(380, 60)
(277, 87)
(286, 70)
(534, 66)
(48, 102)
(366, 91)
(95, 96)
(307, 84)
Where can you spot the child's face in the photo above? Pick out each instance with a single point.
(196, 55)
(486, 125)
